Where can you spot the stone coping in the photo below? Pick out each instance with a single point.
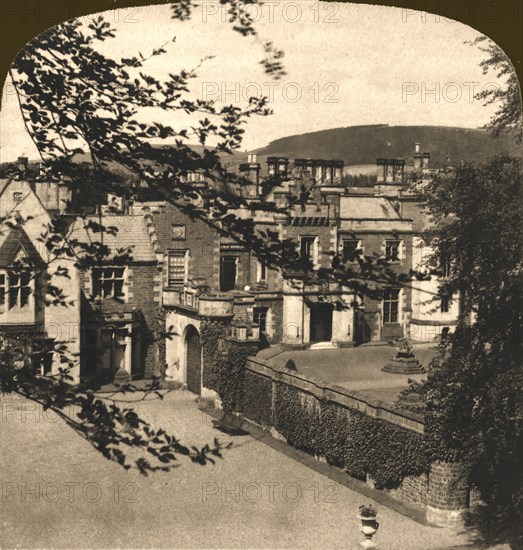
(343, 396)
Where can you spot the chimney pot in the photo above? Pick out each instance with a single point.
(417, 145)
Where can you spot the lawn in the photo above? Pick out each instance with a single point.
(357, 369)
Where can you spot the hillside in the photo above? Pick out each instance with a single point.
(362, 145)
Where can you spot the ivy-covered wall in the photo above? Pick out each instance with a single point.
(257, 399)
(362, 445)
(349, 439)
(224, 367)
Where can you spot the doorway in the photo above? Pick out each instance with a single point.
(193, 361)
(321, 322)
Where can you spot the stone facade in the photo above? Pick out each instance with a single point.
(23, 307)
(105, 334)
(178, 261)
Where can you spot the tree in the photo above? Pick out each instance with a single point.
(72, 97)
(473, 394)
(508, 117)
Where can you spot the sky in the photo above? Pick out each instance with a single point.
(347, 64)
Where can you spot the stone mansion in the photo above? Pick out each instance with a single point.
(182, 271)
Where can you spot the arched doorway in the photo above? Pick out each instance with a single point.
(193, 360)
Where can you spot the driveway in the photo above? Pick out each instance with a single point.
(58, 492)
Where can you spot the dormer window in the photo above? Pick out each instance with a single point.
(19, 289)
(18, 196)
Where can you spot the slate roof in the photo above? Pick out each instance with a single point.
(130, 231)
(375, 208)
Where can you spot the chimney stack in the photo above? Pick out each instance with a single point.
(417, 156)
(251, 170)
(22, 165)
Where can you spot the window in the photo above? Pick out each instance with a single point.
(19, 289)
(18, 196)
(445, 304)
(228, 265)
(259, 316)
(309, 248)
(392, 249)
(350, 250)
(390, 305)
(261, 272)
(177, 267)
(445, 266)
(15, 289)
(108, 282)
(3, 288)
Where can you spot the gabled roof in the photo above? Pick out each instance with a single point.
(4, 182)
(17, 244)
(129, 231)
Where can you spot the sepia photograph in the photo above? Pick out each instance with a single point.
(261, 276)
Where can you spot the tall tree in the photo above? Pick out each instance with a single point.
(473, 394)
(72, 97)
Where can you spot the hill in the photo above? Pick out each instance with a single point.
(362, 145)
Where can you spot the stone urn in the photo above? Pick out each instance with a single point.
(369, 525)
(403, 361)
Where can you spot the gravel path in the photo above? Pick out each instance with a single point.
(256, 497)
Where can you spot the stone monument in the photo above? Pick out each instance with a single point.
(404, 361)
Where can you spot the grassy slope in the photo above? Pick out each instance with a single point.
(363, 144)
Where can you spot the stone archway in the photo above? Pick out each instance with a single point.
(193, 361)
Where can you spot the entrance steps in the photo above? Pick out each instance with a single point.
(324, 345)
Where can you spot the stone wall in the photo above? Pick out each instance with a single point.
(441, 490)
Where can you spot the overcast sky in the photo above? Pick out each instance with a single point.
(347, 65)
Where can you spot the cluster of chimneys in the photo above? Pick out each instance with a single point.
(392, 170)
(324, 171)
